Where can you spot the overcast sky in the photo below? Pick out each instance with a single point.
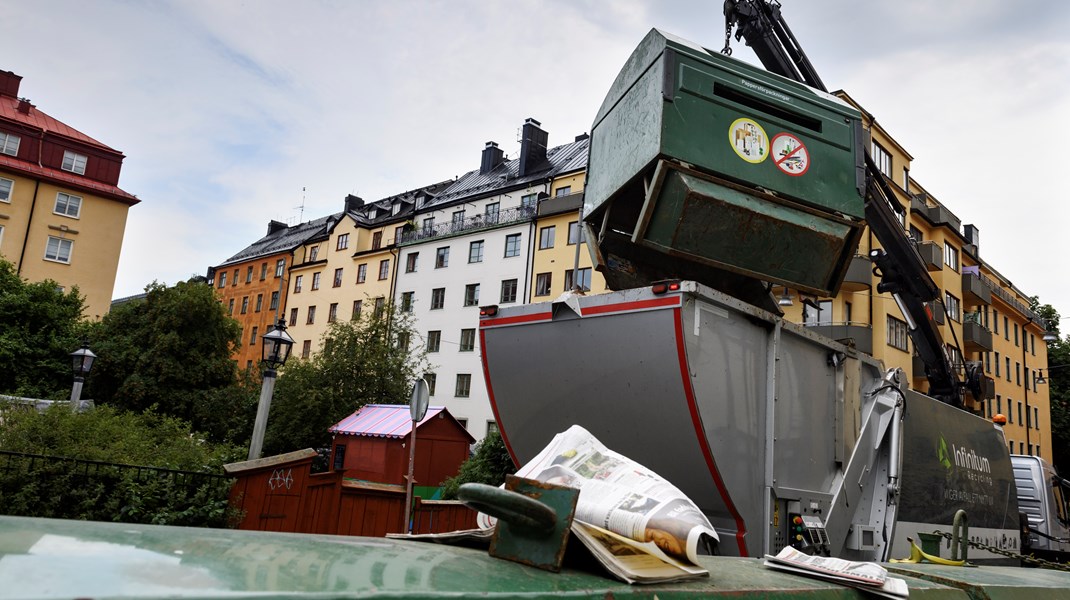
(234, 113)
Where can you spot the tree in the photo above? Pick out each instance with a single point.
(366, 361)
(489, 464)
(1057, 374)
(171, 350)
(39, 328)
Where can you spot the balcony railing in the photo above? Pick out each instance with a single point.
(854, 333)
(508, 216)
(1007, 297)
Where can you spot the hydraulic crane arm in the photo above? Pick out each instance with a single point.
(898, 264)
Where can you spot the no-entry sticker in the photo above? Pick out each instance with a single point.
(790, 154)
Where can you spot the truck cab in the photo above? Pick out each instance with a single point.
(1043, 498)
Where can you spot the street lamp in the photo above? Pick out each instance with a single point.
(277, 345)
(82, 363)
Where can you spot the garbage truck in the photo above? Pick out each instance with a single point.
(709, 181)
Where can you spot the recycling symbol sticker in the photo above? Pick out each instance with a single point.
(749, 140)
(790, 155)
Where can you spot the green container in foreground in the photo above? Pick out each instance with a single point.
(797, 150)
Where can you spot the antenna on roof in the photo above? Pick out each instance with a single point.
(301, 217)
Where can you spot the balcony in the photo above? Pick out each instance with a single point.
(508, 216)
(975, 337)
(937, 215)
(974, 291)
(932, 255)
(853, 334)
(859, 275)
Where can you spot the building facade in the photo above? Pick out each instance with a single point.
(62, 213)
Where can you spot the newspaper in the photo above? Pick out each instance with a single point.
(867, 576)
(640, 526)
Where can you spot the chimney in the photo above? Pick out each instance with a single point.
(24, 106)
(276, 226)
(492, 157)
(9, 84)
(532, 147)
(582, 136)
(972, 235)
(353, 202)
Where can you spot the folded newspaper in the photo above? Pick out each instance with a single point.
(867, 576)
(638, 525)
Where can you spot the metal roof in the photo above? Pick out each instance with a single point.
(384, 420)
(283, 239)
(37, 119)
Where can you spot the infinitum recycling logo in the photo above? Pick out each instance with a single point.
(943, 455)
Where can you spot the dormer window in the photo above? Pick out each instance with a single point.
(9, 144)
(73, 162)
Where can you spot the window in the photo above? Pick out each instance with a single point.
(1007, 363)
(431, 379)
(237, 273)
(997, 364)
(1032, 344)
(490, 215)
(1017, 373)
(916, 234)
(468, 340)
(59, 249)
(471, 294)
(410, 261)
(897, 333)
(259, 302)
(1015, 334)
(68, 205)
(377, 240)
(311, 319)
(508, 291)
(546, 237)
(398, 231)
(316, 281)
(384, 269)
(362, 272)
(263, 271)
(999, 404)
(406, 302)
(249, 274)
(1036, 418)
(442, 257)
(542, 284)
(280, 266)
(230, 309)
(339, 457)
(584, 282)
(403, 340)
(332, 312)
(73, 162)
(252, 336)
(575, 233)
(293, 317)
(563, 191)
(313, 253)
(306, 348)
(955, 356)
(458, 219)
(1006, 329)
(428, 225)
(953, 307)
(882, 158)
(223, 279)
(463, 423)
(822, 315)
(464, 385)
(343, 242)
(512, 245)
(438, 298)
(297, 283)
(434, 340)
(9, 144)
(951, 257)
(338, 277)
(380, 303)
(492, 427)
(274, 301)
(356, 309)
(988, 362)
(995, 321)
(6, 185)
(475, 252)
(529, 201)
(1019, 412)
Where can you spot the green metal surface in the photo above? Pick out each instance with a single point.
(41, 558)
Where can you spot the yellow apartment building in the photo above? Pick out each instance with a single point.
(62, 214)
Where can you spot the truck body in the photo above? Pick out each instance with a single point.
(1042, 499)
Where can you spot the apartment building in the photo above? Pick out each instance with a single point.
(62, 213)
(981, 315)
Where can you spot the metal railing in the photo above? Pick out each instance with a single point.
(475, 223)
(20, 462)
(1009, 299)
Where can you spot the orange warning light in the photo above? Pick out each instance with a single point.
(999, 419)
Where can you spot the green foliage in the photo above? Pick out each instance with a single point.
(171, 351)
(360, 362)
(57, 489)
(39, 328)
(489, 464)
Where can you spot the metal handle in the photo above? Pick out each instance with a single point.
(516, 509)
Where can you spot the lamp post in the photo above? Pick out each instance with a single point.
(277, 346)
(82, 363)
(417, 410)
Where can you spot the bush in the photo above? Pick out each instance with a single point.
(489, 464)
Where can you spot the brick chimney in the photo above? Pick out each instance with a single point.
(275, 226)
(492, 157)
(353, 202)
(532, 147)
(9, 84)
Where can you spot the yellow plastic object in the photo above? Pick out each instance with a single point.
(917, 556)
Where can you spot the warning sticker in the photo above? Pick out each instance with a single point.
(790, 155)
(749, 140)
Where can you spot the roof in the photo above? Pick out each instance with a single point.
(68, 179)
(559, 159)
(283, 240)
(407, 199)
(386, 420)
(40, 120)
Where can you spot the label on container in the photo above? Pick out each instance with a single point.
(790, 155)
(749, 140)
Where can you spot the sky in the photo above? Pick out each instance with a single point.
(234, 113)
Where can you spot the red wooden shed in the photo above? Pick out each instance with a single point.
(372, 444)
